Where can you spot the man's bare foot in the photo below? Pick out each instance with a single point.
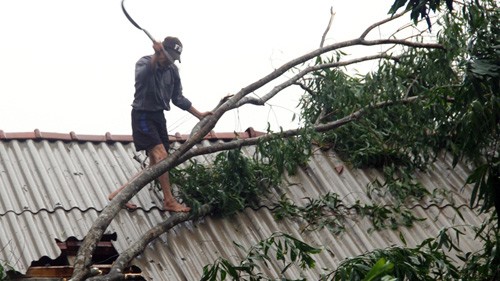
(175, 206)
(128, 205)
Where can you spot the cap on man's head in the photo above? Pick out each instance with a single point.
(173, 46)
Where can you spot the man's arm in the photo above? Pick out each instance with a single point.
(157, 46)
(198, 114)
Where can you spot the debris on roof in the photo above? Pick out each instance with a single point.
(55, 185)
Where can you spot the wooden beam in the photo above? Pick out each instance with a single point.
(59, 271)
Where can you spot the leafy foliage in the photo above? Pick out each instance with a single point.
(286, 249)
(330, 212)
(2, 273)
(396, 134)
(427, 102)
(426, 261)
(286, 154)
(483, 265)
(399, 184)
(380, 270)
(420, 8)
(231, 183)
(3, 269)
(234, 181)
(477, 120)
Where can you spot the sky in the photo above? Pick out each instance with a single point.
(68, 66)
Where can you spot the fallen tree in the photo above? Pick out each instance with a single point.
(186, 150)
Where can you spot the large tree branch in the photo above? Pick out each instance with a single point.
(83, 259)
(261, 101)
(116, 272)
(302, 73)
(240, 97)
(359, 41)
(293, 132)
(235, 101)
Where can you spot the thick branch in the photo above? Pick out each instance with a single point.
(138, 247)
(401, 42)
(116, 272)
(83, 258)
(235, 101)
(291, 133)
(244, 99)
(302, 73)
(359, 41)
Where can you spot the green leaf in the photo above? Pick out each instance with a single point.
(381, 267)
(397, 4)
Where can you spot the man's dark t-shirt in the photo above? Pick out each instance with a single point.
(154, 89)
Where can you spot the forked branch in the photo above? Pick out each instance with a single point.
(83, 259)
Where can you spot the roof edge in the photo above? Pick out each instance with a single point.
(108, 137)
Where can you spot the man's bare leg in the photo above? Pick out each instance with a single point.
(128, 205)
(157, 154)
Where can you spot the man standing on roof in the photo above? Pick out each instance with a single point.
(157, 82)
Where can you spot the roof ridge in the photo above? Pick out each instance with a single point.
(108, 137)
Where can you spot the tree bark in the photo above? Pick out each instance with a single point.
(185, 151)
(116, 271)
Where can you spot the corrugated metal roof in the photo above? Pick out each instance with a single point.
(53, 188)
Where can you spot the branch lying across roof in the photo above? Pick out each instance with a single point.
(116, 272)
(243, 99)
(241, 96)
(83, 259)
(290, 133)
(302, 73)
